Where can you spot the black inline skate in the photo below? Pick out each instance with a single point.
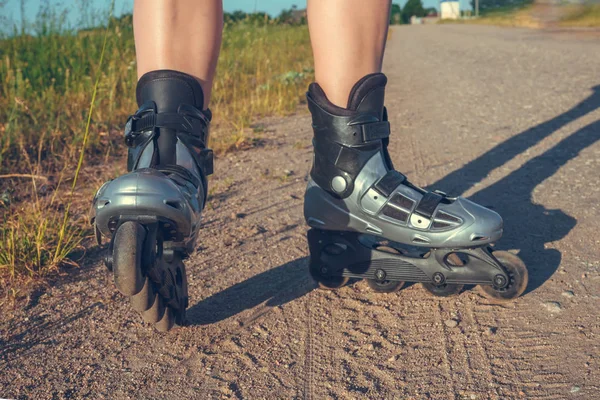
(152, 214)
(368, 221)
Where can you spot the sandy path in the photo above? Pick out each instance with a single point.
(508, 117)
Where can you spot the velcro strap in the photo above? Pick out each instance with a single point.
(428, 204)
(375, 131)
(389, 182)
(167, 120)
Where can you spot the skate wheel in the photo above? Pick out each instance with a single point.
(156, 312)
(127, 258)
(170, 284)
(444, 290)
(143, 300)
(328, 282)
(519, 277)
(385, 286)
(167, 321)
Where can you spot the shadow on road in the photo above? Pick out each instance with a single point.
(529, 227)
(41, 332)
(273, 287)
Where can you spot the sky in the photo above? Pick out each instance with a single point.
(11, 9)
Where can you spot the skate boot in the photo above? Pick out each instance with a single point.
(368, 221)
(152, 214)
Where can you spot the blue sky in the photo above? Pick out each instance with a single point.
(11, 12)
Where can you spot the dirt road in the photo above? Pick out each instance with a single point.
(507, 117)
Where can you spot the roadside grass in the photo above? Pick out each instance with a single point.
(48, 85)
(510, 17)
(582, 16)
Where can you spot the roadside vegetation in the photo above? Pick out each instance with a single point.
(514, 17)
(52, 80)
(582, 16)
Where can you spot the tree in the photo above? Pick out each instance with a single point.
(431, 11)
(412, 7)
(396, 14)
(499, 5)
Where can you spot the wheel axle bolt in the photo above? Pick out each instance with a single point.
(499, 281)
(380, 274)
(438, 278)
(323, 270)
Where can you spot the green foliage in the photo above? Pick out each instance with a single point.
(496, 6)
(292, 16)
(412, 8)
(396, 14)
(257, 18)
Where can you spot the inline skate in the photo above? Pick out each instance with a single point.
(368, 221)
(152, 213)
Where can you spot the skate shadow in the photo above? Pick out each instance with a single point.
(529, 227)
(271, 288)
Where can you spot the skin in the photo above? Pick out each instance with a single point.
(164, 40)
(348, 40)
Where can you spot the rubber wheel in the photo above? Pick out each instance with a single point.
(385, 286)
(167, 322)
(519, 277)
(127, 258)
(445, 290)
(156, 312)
(326, 282)
(143, 300)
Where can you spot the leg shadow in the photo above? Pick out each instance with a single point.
(276, 287)
(528, 226)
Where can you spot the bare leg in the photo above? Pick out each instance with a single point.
(182, 35)
(348, 40)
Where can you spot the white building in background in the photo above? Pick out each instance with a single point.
(449, 9)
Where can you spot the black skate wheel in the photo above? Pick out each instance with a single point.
(325, 281)
(127, 258)
(143, 300)
(156, 312)
(385, 286)
(519, 277)
(445, 290)
(167, 321)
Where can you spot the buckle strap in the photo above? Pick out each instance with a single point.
(375, 131)
(195, 124)
(168, 120)
(390, 181)
(428, 204)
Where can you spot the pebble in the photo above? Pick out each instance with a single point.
(451, 323)
(575, 389)
(492, 330)
(552, 306)
(568, 293)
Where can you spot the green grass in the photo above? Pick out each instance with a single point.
(48, 86)
(584, 16)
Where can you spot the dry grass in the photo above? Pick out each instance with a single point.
(48, 84)
(522, 18)
(582, 16)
